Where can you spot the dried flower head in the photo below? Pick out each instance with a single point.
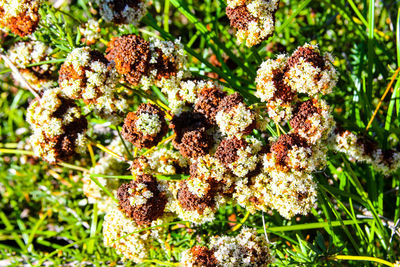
(122, 11)
(272, 88)
(198, 256)
(145, 127)
(131, 56)
(142, 200)
(195, 206)
(313, 121)
(23, 54)
(253, 19)
(58, 127)
(234, 117)
(191, 138)
(239, 155)
(310, 72)
(20, 16)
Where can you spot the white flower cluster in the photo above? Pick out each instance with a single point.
(361, 149)
(160, 161)
(23, 54)
(20, 16)
(132, 241)
(85, 75)
(90, 31)
(165, 53)
(127, 12)
(246, 249)
(58, 126)
(259, 16)
(236, 120)
(306, 77)
(187, 93)
(148, 124)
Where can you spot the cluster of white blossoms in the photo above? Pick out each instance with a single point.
(362, 149)
(20, 16)
(130, 240)
(58, 126)
(122, 12)
(305, 71)
(168, 65)
(22, 54)
(90, 31)
(246, 249)
(86, 75)
(253, 19)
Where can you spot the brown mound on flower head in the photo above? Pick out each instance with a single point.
(152, 209)
(135, 136)
(191, 138)
(309, 55)
(192, 202)
(208, 101)
(203, 257)
(23, 24)
(65, 143)
(229, 102)
(240, 17)
(131, 55)
(285, 143)
(283, 92)
(227, 150)
(165, 66)
(302, 112)
(369, 146)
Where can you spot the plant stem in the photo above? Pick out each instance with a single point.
(361, 258)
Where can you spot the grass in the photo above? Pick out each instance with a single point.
(45, 218)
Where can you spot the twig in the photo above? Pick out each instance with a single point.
(16, 72)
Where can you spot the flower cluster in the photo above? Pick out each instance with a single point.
(147, 63)
(253, 19)
(20, 16)
(363, 149)
(305, 71)
(86, 75)
(23, 54)
(90, 32)
(58, 126)
(245, 249)
(122, 12)
(145, 127)
(131, 240)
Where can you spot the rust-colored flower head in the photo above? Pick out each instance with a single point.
(207, 102)
(145, 127)
(199, 256)
(227, 151)
(131, 55)
(21, 17)
(197, 198)
(141, 199)
(191, 138)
